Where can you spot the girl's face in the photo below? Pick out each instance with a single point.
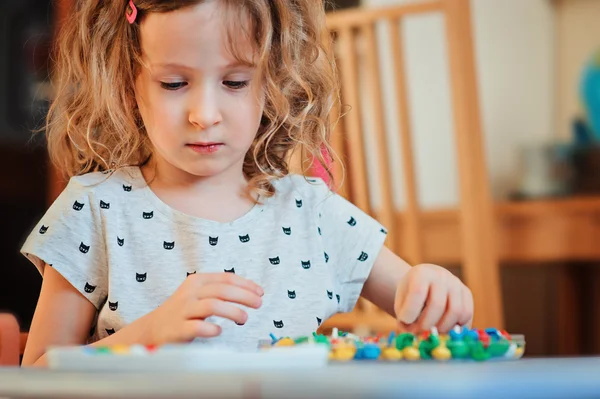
(200, 107)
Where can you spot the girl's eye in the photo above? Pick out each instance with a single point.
(173, 86)
(235, 85)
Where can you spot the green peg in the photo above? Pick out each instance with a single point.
(458, 349)
(405, 339)
(301, 340)
(478, 352)
(498, 348)
(428, 345)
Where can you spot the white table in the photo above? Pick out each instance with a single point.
(543, 378)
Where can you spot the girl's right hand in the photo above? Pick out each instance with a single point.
(181, 318)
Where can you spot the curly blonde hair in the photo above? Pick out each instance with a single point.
(94, 123)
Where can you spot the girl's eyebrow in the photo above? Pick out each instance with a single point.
(239, 64)
(231, 65)
(173, 65)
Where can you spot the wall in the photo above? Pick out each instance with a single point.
(514, 41)
(578, 36)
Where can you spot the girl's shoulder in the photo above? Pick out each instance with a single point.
(124, 179)
(96, 190)
(302, 187)
(105, 184)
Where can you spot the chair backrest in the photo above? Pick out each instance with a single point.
(9, 340)
(356, 41)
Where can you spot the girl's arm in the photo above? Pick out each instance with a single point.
(380, 287)
(64, 317)
(419, 297)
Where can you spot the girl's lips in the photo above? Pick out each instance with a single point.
(205, 148)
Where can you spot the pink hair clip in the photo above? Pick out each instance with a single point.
(131, 13)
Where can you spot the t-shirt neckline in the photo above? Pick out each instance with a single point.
(178, 216)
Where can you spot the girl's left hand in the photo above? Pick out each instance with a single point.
(430, 296)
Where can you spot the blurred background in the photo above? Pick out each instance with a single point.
(532, 94)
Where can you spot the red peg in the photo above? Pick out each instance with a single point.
(151, 348)
(483, 337)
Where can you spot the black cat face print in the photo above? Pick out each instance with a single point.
(169, 245)
(148, 215)
(78, 206)
(213, 241)
(275, 261)
(245, 238)
(84, 249)
(140, 278)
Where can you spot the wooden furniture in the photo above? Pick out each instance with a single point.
(9, 341)
(475, 232)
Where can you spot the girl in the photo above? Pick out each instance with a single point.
(180, 221)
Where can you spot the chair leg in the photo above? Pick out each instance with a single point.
(9, 340)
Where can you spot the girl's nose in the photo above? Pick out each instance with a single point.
(204, 111)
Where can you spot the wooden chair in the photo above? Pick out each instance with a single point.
(477, 224)
(10, 347)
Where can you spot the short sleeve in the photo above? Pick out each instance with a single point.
(69, 239)
(352, 240)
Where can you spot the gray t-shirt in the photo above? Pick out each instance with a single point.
(126, 251)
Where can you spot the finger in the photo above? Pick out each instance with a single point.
(199, 329)
(466, 316)
(227, 278)
(230, 293)
(454, 308)
(412, 302)
(407, 328)
(436, 306)
(215, 307)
